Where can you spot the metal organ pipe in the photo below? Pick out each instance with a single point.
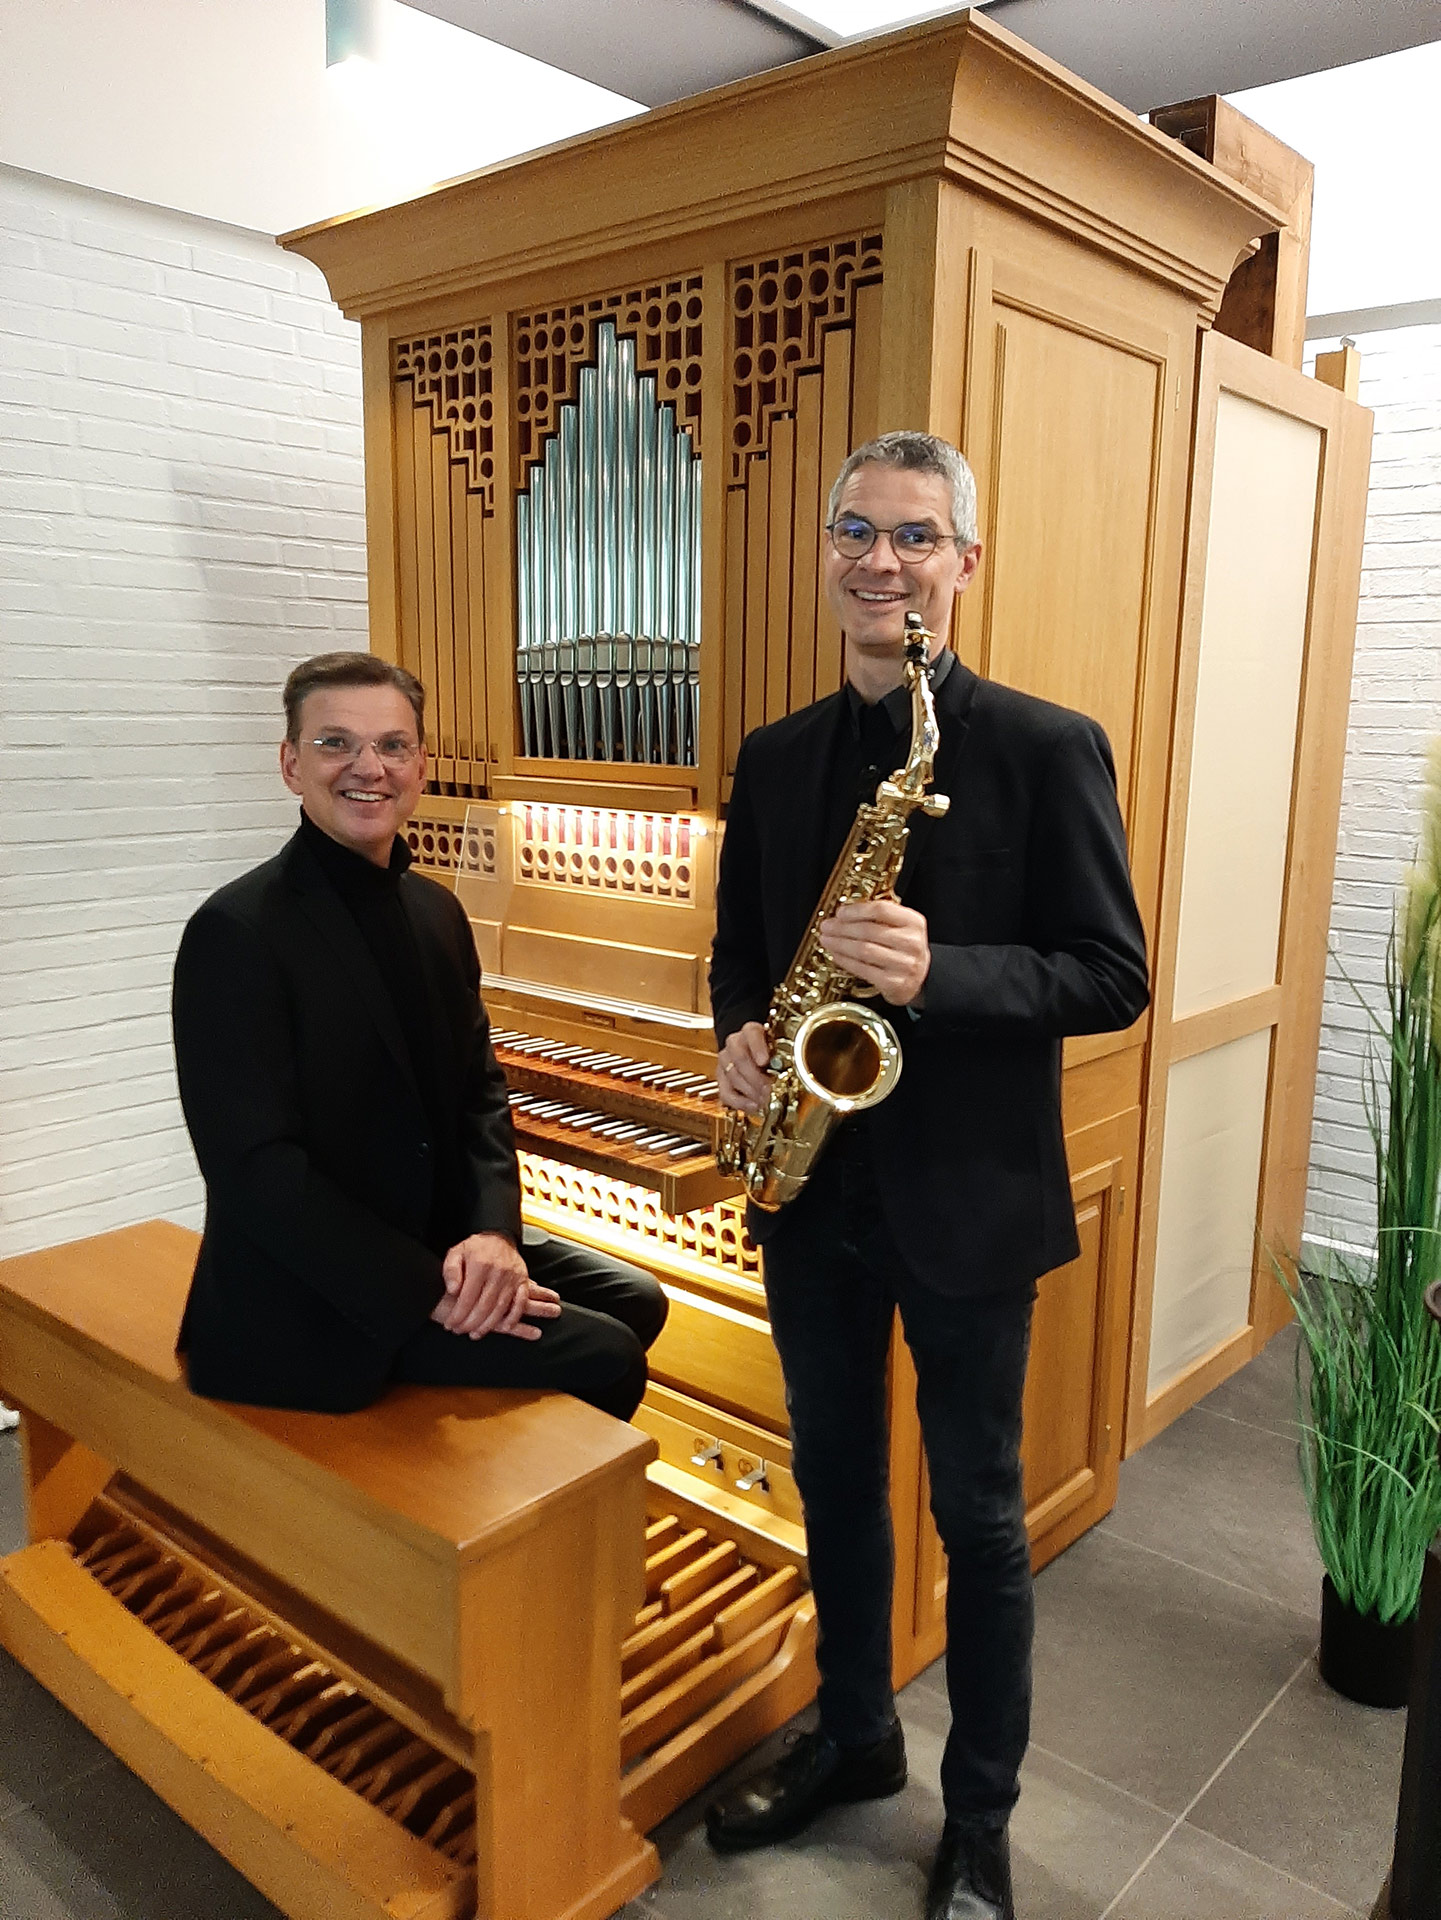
(608, 573)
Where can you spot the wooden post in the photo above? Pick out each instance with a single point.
(1265, 301)
(1341, 369)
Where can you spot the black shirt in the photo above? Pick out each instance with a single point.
(372, 895)
(872, 742)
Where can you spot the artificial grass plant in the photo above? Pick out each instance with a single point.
(1369, 1361)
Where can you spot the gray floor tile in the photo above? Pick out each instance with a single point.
(1197, 1877)
(1146, 1673)
(106, 1849)
(12, 1502)
(1313, 1791)
(42, 1747)
(1262, 1394)
(1075, 1841)
(1226, 1499)
(842, 1869)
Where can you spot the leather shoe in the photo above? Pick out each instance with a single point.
(812, 1774)
(971, 1879)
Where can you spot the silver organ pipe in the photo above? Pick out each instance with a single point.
(608, 574)
(646, 427)
(567, 523)
(607, 473)
(524, 617)
(587, 524)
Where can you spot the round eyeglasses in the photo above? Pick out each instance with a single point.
(852, 536)
(339, 749)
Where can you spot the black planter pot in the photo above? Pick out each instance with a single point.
(1367, 1659)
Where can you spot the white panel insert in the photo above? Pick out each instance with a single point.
(1253, 636)
(1210, 1182)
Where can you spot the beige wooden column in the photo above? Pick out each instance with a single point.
(1268, 623)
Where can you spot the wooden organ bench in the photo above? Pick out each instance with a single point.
(373, 1658)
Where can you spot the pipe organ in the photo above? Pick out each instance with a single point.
(606, 389)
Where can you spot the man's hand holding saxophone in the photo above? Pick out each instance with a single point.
(881, 942)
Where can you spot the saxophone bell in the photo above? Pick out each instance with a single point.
(842, 1058)
(847, 1055)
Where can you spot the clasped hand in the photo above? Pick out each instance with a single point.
(881, 942)
(488, 1290)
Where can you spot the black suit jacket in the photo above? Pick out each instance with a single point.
(313, 1139)
(1034, 934)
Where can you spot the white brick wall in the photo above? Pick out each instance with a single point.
(180, 522)
(1395, 713)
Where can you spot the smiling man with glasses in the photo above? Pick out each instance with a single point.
(362, 1217)
(1013, 926)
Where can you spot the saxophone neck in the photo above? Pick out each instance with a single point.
(912, 781)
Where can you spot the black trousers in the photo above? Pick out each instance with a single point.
(610, 1314)
(834, 1279)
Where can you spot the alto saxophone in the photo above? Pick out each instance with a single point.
(831, 1056)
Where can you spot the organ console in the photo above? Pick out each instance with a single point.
(606, 388)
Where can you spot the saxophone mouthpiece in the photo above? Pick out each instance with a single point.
(918, 638)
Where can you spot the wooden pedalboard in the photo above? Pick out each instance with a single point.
(239, 1720)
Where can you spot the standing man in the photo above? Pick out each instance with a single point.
(1015, 925)
(362, 1199)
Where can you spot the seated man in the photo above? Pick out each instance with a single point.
(362, 1220)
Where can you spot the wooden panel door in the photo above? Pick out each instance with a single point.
(1269, 620)
(1076, 429)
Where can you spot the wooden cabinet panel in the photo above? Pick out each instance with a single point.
(1060, 1403)
(1069, 563)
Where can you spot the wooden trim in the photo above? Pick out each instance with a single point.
(1341, 370)
(1293, 1004)
(1191, 1385)
(715, 690)
(593, 792)
(1306, 905)
(381, 521)
(1217, 1026)
(497, 532)
(928, 100)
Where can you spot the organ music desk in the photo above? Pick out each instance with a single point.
(373, 1658)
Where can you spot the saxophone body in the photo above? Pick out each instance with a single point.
(831, 1055)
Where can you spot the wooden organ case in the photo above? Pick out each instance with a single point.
(606, 389)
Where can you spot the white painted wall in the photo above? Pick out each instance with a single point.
(180, 522)
(225, 108)
(1369, 131)
(1395, 714)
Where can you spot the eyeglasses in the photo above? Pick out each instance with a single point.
(339, 749)
(853, 536)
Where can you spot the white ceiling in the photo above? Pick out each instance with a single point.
(1145, 53)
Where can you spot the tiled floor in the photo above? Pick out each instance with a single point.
(1187, 1762)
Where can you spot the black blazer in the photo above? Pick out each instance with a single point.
(1034, 934)
(313, 1140)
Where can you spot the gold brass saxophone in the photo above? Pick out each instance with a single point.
(831, 1056)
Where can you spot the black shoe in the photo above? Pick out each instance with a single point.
(812, 1774)
(971, 1879)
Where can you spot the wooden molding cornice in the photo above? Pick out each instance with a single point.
(958, 98)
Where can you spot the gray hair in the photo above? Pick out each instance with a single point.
(919, 453)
